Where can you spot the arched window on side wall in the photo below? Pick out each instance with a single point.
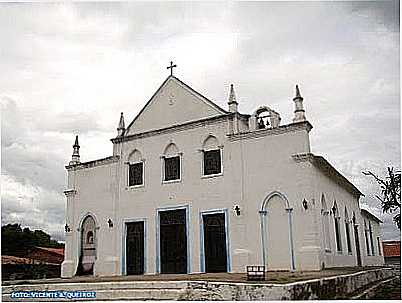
(325, 224)
(347, 229)
(379, 246)
(371, 239)
(366, 238)
(337, 218)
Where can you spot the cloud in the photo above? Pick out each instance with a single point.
(32, 206)
(34, 152)
(10, 122)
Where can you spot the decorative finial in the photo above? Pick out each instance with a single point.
(171, 67)
(299, 110)
(232, 100)
(232, 95)
(298, 95)
(121, 128)
(75, 159)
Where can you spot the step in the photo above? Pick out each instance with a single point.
(114, 294)
(96, 286)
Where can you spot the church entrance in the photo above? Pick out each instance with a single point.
(173, 241)
(135, 248)
(215, 242)
(88, 247)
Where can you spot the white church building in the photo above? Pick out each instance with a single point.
(192, 187)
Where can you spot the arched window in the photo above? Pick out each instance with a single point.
(212, 157)
(325, 224)
(338, 238)
(379, 246)
(366, 231)
(371, 239)
(135, 169)
(347, 230)
(171, 164)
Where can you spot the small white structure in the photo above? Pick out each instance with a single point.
(192, 188)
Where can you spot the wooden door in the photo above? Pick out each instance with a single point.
(215, 243)
(135, 248)
(173, 241)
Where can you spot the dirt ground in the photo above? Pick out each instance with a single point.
(276, 277)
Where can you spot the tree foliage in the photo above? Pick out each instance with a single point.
(390, 193)
(16, 241)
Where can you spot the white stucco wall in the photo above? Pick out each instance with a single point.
(378, 257)
(331, 191)
(95, 195)
(253, 167)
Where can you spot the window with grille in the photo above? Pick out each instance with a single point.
(136, 173)
(172, 168)
(212, 162)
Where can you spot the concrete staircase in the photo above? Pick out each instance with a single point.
(121, 290)
(326, 288)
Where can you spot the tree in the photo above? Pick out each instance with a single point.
(16, 241)
(391, 193)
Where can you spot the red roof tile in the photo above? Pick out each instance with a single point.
(392, 248)
(59, 251)
(14, 260)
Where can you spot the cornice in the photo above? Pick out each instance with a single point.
(366, 213)
(327, 169)
(175, 128)
(70, 192)
(303, 157)
(93, 163)
(305, 125)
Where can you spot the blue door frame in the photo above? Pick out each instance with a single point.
(123, 245)
(202, 250)
(158, 256)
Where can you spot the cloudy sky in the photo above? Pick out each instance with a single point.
(69, 69)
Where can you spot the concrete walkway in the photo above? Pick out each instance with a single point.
(277, 277)
(328, 284)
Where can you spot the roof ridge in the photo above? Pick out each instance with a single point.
(201, 95)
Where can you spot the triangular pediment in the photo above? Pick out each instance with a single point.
(174, 103)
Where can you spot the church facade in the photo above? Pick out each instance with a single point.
(192, 188)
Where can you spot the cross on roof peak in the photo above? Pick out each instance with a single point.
(171, 67)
